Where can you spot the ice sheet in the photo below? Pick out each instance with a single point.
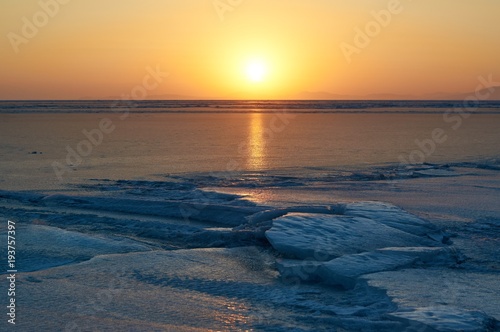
(347, 269)
(444, 319)
(323, 237)
(41, 247)
(223, 289)
(96, 267)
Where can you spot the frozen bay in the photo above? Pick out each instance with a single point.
(139, 239)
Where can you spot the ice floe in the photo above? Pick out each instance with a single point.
(347, 269)
(454, 288)
(390, 215)
(372, 244)
(323, 237)
(444, 319)
(353, 240)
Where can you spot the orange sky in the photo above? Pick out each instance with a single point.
(231, 49)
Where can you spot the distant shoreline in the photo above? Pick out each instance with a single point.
(245, 106)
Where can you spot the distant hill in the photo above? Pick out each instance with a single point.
(321, 95)
(173, 97)
(151, 97)
(495, 95)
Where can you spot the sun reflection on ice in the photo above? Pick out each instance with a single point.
(234, 315)
(256, 143)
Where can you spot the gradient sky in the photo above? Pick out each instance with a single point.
(96, 48)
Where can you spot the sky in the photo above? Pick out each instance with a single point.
(248, 49)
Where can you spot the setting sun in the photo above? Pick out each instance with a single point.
(256, 71)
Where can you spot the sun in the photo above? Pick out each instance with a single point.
(256, 71)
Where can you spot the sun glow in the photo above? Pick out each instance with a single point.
(256, 143)
(256, 71)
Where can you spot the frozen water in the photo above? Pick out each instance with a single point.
(436, 172)
(201, 210)
(42, 247)
(225, 289)
(128, 254)
(457, 288)
(304, 270)
(323, 237)
(390, 215)
(347, 269)
(444, 319)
